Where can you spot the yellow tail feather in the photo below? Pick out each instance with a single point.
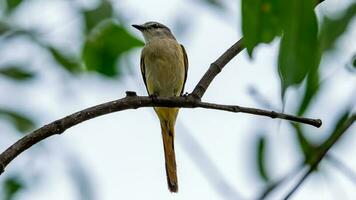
(169, 155)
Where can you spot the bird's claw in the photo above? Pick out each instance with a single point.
(154, 96)
(185, 94)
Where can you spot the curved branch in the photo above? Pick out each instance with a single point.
(216, 67)
(131, 101)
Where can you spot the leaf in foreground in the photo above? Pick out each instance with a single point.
(20, 121)
(105, 45)
(12, 186)
(16, 73)
(299, 44)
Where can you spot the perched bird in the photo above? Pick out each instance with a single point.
(164, 66)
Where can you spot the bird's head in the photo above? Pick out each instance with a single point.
(154, 30)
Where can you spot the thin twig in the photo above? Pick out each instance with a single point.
(322, 152)
(273, 185)
(131, 101)
(215, 68)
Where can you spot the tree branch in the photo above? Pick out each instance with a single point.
(322, 152)
(273, 185)
(131, 101)
(215, 68)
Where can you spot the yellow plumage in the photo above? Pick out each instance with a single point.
(164, 68)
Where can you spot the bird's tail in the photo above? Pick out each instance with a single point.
(169, 155)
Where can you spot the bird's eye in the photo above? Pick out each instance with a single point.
(155, 26)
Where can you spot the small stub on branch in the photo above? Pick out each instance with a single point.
(131, 94)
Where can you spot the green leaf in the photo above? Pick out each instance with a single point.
(305, 146)
(94, 17)
(12, 4)
(260, 22)
(17, 73)
(331, 28)
(261, 158)
(298, 52)
(68, 63)
(312, 88)
(20, 121)
(335, 133)
(12, 186)
(4, 28)
(354, 61)
(105, 45)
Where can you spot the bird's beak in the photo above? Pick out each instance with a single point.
(139, 27)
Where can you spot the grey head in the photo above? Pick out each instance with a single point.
(154, 30)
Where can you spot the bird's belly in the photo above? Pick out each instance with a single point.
(165, 76)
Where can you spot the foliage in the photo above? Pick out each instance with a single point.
(301, 49)
(105, 45)
(12, 186)
(20, 121)
(105, 42)
(12, 4)
(303, 42)
(16, 73)
(261, 158)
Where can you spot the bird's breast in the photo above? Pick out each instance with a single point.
(164, 67)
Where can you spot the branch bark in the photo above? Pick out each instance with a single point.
(131, 101)
(215, 68)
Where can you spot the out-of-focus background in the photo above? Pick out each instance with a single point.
(61, 56)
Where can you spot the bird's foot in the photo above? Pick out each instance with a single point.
(185, 94)
(154, 96)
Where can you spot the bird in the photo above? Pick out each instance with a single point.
(164, 66)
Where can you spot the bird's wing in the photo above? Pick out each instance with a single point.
(142, 66)
(185, 57)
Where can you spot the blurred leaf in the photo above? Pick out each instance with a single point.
(105, 45)
(298, 47)
(16, 73)
(354, 61)
(260, 22)
(312, 87)
(335, 133)
(69, 63)
(4, 27)
(215, 3)
(81, 178)
(306, 147)
(261, 158)
(21, 122)
(12, 186)
(94, 17)
(331, 29)
(12, 4)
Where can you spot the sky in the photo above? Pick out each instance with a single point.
(122, 153)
